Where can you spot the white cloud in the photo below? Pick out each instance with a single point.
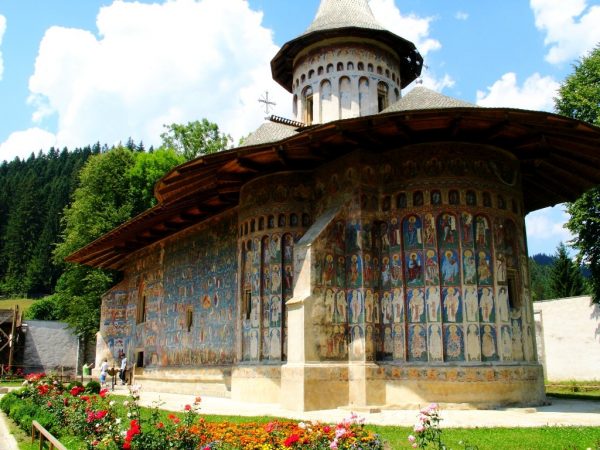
(536, 93)
(154, 64)
(546, 229)
(571, 27)
(411, 27)
(2, 30)
(417, 30)
(461, 15)
(23, 143)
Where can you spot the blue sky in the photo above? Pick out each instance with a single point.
(74, 72)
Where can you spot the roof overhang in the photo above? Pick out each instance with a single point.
(559, 158)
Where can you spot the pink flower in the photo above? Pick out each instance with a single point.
(333, 445)
(419, 428)
(187, 407)
(411, 438)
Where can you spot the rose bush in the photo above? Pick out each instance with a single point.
(102, 423)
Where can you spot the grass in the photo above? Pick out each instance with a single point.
(581, 390)
(546, 438)
(22, 303)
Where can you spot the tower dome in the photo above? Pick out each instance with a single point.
(345, 64)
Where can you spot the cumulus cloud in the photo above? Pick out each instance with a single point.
(571, 27)
(155, 64)
(2, 30)
(537, 93)
(410, 26)
(546, 229)
(23, 143)
(461, 15)
(417, 30)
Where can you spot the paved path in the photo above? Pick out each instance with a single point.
(559, 413)
(7, 440)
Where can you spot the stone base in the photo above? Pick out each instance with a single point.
(256, 384)
(213, 382)
(358, 386)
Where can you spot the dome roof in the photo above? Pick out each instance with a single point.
(343, 14)
(346, 19)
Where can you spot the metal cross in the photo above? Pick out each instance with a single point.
(267, 102)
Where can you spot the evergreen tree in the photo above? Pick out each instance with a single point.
(565, 276)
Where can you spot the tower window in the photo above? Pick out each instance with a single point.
(350, 66)
(382, 96)
(361, 66)
(308, 106)
(340, 67)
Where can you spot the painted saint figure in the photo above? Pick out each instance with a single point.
(416, 304)
(450, 270)
(451, 304)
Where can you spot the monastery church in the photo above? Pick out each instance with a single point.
(369, 251)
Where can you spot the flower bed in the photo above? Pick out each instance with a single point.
(102, 423)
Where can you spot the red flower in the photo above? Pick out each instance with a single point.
(104, 392)
(76, 391)
(270, 427)
(326, 429)
(160, 425)
(291, 440)
(188, 408)
(49, 404)
(126, 445)
(100, 414)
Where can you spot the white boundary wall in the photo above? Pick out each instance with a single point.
(568, 338)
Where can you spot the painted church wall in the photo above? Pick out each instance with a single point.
(275, 211)
(177, 300)
(420, 267)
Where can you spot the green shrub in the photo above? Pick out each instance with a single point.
(72, 384)
(93, 387)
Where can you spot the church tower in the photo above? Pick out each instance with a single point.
(345, 64)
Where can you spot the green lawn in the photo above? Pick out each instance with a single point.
(546, 438)
(574, 389)
(22, 303)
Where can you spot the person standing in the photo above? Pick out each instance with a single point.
(123, 370)
(103, 372)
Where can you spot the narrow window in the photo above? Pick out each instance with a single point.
(141, 311)
(247, 304)
(361, 66)
(189, 319)
(308, 106)
(340, 67)
(382, 96)
(329, 68)
(514, 299)
(350, 66)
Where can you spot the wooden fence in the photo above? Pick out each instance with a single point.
(38, 431)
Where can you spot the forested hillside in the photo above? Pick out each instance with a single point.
(33, 195)
(54, 203)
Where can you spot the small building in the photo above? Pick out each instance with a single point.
(369, 251)
(573, 354)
